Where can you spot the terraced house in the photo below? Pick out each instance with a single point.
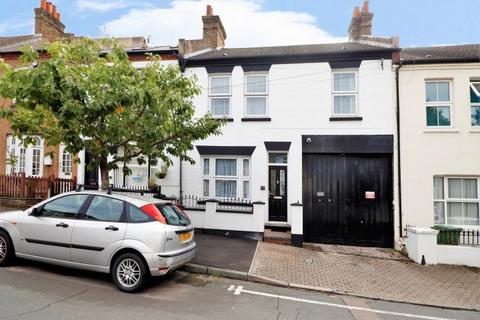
(344, 143)
(439, 93)
(34, 160)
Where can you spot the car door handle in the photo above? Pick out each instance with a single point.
(62, 225)
(113, 228)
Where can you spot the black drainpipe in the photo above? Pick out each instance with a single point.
(397, 85)
(180, 184)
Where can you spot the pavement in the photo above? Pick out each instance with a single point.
(37, 291)
(221, 252)
(363, 272)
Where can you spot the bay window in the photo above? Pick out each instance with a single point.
(226, 177)
(219, 95)
(438, 103)
(256, 92)
(456, 201)
(344, 92)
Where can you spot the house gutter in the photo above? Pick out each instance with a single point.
(397, 87)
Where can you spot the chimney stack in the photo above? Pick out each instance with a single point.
(361, 23)
(47, 21)
(209, 10)
(214, 35)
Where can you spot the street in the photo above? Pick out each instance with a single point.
(32, 290)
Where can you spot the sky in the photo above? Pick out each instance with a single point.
(256, 22)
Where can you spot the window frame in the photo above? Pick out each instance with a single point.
(78, 215)
(277, 163)
(15, 147)
(438, 104)
(239, 178)
(345, 93)
(66, 161)
(220, 95)
(446, 199)
(255, 94)
(474, 104)
(86, 205)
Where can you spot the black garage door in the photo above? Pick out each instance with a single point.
(348, 199)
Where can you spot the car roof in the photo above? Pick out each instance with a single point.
(133, 199)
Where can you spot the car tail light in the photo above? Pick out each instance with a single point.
(153, 212)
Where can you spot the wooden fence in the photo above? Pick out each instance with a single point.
(21, 186)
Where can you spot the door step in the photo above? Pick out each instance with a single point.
(276, 236)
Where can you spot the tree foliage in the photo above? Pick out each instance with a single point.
(97, 101)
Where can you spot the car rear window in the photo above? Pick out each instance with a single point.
(173, 215)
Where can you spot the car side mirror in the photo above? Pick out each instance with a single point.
(35, 212)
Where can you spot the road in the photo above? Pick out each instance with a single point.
(37, 291)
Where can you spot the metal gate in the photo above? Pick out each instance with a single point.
(348, 199)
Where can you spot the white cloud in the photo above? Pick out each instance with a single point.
(15, 25)
(102, 6)
(245, 22)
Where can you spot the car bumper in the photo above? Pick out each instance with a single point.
(162, 263)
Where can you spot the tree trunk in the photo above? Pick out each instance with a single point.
(104, 173)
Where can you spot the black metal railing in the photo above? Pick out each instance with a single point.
(189, 202)
(143, 191)
(235, 205)
(459, 237)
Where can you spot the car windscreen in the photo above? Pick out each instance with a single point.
(173, 215)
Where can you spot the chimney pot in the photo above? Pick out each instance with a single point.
(43, 4)
(54, 11)
(49, 7)
(209, 10)
(356, 12)
(365, 6)
(58, 16)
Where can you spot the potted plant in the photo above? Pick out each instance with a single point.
(162, 173)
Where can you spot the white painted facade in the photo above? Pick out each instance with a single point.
(299, 102)
(450, 151)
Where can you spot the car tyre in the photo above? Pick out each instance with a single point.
(7, 253)
(130, 273)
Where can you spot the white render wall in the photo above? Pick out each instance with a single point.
(299, 103)
(428, 152)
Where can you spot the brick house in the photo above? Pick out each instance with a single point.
(32, 160)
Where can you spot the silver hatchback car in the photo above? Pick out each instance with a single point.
(131, 238)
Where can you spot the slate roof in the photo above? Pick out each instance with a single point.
(441, 54)
(282, 51)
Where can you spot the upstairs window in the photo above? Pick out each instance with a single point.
(438, 103)
(344, 93)
(256, 92)
(475, 103)
(219, 95)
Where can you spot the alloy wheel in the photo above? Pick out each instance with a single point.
(128, 273)
(3, 248)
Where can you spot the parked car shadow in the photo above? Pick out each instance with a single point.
(84, 275)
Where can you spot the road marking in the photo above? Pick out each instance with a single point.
(239, 289)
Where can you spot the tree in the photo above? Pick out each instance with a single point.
(99, 102)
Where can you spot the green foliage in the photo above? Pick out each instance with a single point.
(90, 100)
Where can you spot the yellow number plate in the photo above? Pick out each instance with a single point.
(185, 236)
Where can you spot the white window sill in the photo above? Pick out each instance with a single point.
(474, 130)
(441, 130)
